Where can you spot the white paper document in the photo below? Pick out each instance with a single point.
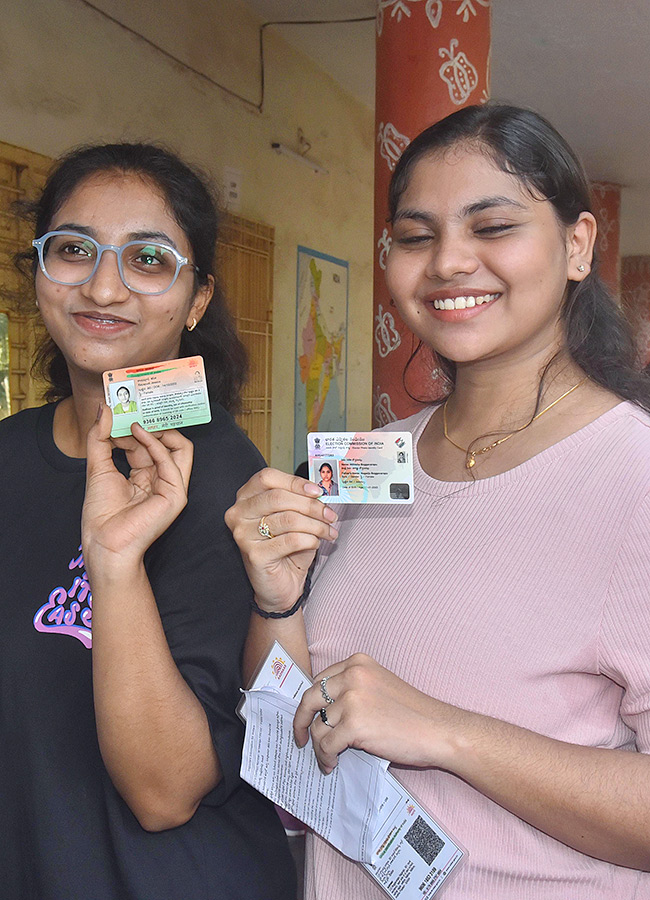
(342, 807)
(360, 808)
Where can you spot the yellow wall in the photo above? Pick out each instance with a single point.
(69, 75)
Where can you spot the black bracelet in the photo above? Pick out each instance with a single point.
(296, 606)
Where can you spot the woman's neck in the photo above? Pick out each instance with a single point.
(490, 401)
(75, 416)
(492, 396)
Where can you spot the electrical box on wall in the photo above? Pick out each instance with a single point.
(232, 184)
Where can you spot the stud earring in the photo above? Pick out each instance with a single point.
(193, 325)
(581, 268)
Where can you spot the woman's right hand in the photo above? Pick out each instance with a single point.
(296, 519)
(123, 516)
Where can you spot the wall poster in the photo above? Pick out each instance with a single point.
(321, 347)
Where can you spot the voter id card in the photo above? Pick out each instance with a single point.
(362, 466)
(163, 395)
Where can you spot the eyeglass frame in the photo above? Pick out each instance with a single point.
(39, 244)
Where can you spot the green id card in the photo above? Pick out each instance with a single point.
(160, 396)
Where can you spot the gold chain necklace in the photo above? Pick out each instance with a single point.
(471, 455)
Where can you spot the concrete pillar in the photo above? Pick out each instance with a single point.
(635, 302)
(433, 58)
(607, 209)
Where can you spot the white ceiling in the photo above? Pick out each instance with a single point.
(582, 63)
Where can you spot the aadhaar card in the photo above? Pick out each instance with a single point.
(362, 466)
(160, 396)
(414, 856)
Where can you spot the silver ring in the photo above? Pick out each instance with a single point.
(323, 689)
(264, 529)
(323, 716)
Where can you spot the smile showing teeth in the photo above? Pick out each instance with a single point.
(464, 302)
(105, 320)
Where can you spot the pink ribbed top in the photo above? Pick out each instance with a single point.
(526, 597)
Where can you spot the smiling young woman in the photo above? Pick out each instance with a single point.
(119, 768)
(490, 639)
(478, 266)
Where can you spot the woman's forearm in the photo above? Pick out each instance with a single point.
(153, 732)
(290, 632)
(595, 800)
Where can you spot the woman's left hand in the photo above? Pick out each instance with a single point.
(376, 711)
(126, 515)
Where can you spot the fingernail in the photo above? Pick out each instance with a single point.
(333, 533)
(329, 514)
(99, 412)
(312, 489)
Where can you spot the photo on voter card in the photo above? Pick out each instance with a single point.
(326, 476)
(124, 398)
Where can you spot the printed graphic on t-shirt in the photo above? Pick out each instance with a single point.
(69, 610)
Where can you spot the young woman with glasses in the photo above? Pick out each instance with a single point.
(119, 742)
(491, 640)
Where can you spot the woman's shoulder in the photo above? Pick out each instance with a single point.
(631, 435)
(26, 445)
(632, 423)
(609, 456)
(23, 424)
(222, 450)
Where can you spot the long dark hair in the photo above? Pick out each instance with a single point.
(525, 145)
(191, 202)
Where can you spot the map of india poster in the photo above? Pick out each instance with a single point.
(321, 347)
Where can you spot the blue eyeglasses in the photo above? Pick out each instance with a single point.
(145, 267)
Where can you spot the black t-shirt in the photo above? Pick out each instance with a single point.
(65, 832)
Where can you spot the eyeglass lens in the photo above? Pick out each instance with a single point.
(147, 267)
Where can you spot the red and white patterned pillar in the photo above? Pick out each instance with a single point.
(607, 209)
(433, 57)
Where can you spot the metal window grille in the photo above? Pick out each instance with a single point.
(22, 175)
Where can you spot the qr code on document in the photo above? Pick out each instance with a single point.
(424, 840)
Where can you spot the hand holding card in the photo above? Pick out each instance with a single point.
(159, 396)
(123, 516)
(278, 523)
(362, 466)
